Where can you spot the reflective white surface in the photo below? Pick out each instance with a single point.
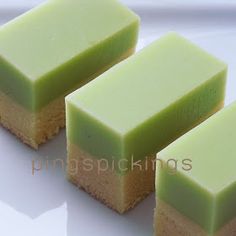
(46, 204)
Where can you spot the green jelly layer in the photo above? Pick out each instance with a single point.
(141, 105)
(206, 193)
(60, 45)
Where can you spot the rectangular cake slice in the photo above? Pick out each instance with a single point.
(51, 51)
(116, 123)
(196, 181)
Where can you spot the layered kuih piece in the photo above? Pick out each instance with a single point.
(134, 110)
(53, 50)
(199, 200)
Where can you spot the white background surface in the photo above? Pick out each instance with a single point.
(46, 204)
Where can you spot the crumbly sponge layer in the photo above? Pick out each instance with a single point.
(168, 221)
(36, 128)
(119, 192)
(32, 128)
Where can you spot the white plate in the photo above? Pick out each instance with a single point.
(46, 204)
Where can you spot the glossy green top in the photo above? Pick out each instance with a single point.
(141, 105)
(147, 83)
(207, 192)
(42, 44)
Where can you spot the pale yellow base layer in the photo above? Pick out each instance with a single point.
(32, 128)
(119, 192)
(169, 222)
(36, 128)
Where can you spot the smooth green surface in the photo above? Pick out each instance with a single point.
(57, 46)
(206, 194)
(147, 101)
